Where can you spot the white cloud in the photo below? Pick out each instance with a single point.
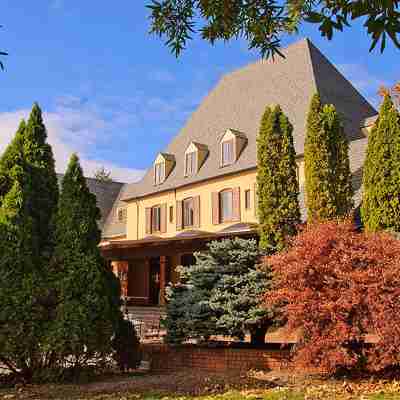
(70, 131)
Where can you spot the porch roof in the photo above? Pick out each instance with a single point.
(184, 241)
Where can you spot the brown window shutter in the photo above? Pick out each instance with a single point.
(255, 199)
(196, 212)
(236, 203)
(148, 221)
(215, 208)
(163, 218)
(179, 215)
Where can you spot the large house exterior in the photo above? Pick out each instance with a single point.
(202, 187)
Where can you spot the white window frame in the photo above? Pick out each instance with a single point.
(227, 158)
(190, 167)
(159, 173)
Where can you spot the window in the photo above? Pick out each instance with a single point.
(171, 214)
(190, 164)
(121, 214)
(188, 213)
(227, 152)
(159, 173)
(156, 219)
(226, 205)
(247, 199)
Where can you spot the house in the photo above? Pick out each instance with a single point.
(203, 185)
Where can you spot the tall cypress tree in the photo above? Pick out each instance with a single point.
(39, 156)
(12, 156)
(320, 198)
(88, 293)
(381, 181)
(277, 183)
(27, 209)
(340, 162)
(326, 164)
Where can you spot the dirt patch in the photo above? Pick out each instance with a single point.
(182, 383)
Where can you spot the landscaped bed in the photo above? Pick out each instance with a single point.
(188, 385)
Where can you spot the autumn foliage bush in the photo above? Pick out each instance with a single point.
(340, 291)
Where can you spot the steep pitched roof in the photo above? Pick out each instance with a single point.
(106, 194)
(238, 102)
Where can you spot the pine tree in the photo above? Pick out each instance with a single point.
(88, 310)
(326, 163)
(381, 181)
(27, 207)
(220, 295)
(277, 183)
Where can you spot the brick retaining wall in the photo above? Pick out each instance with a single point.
(166, 358)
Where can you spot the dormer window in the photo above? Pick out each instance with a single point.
(195, 156)
(190, 163)
(163, 166)
(232, 144)
(227, 153)
(159, 173)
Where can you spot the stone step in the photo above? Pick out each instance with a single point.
(146, 319)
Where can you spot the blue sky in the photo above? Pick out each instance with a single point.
(115, 94)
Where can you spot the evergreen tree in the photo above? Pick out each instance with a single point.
(39, 156)
(326, 163)
(220, 295)
(88, 312)
(277, 183)
(340, 163)
(28, 202)
(381, 181)
(12, 156)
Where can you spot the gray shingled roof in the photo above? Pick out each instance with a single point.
(106, 195)
(238, 102)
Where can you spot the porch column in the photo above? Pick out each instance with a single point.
(163, 279)
(121, 268)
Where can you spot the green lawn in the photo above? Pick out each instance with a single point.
(272, 395)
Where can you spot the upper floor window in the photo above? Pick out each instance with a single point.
(121, 214)
(188, 213)
(159, 173)
(156, 219)
(227, 153)
(190, 163)
(226, 205)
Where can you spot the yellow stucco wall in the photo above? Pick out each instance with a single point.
(136, 223)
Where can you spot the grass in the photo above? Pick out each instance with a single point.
(194, 386)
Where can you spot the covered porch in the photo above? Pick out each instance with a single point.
(145, 267)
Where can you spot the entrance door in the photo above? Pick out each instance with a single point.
(155, 281)
(138, 282)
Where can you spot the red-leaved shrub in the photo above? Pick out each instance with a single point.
(340, 289)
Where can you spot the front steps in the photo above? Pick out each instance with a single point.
(146, 320)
